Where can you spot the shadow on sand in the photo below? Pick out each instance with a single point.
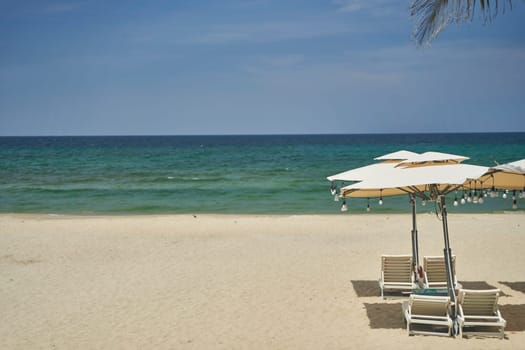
(389, 315)
(517, 286)
(366, 288)
(382, 315)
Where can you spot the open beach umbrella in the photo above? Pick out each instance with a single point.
(432, 158)
(430, 176)
(426, 182)
(397, 156)
(388, 161)
(389, 178)
(509, 176)
(384, 168)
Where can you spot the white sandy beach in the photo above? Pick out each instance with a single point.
(235, 281)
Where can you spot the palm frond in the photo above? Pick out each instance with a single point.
(432, 16)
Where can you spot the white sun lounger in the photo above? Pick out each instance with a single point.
(397, 273)
(435, 271)
(430, 311)
(479, 309)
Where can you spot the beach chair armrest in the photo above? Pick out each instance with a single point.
(472, 317)
(438, 318)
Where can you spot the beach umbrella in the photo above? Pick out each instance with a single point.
(414, 183)
(432, 158)
(387, 165)
(378, 171)
(397, 156)
(430, 176)
(438, 179)
(388, 162)
(509, 176)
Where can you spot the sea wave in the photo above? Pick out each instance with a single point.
(225, 174)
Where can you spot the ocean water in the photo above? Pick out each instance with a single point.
(274, 174)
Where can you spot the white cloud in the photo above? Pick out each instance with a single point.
(372, 7)
(349, 5)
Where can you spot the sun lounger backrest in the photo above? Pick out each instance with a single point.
(435, 268)
(428, 310)
(429, 305)
(479, 302)
(397, 268)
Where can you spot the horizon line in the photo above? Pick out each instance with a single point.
(272, 134)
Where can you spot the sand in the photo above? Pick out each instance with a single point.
(236, 281)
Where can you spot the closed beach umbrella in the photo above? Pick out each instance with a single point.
(430, 176)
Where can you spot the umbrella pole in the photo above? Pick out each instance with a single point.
(447, 252)
(415, 244)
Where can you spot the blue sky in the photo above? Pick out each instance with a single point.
(100, 67)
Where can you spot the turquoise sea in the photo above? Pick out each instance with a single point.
(273, 174)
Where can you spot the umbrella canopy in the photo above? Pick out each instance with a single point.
(432, 158)
(424, 181)
(396, 156)
(389, 161)
(509, 176)
(362, 173)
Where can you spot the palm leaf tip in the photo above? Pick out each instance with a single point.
(432, 16)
